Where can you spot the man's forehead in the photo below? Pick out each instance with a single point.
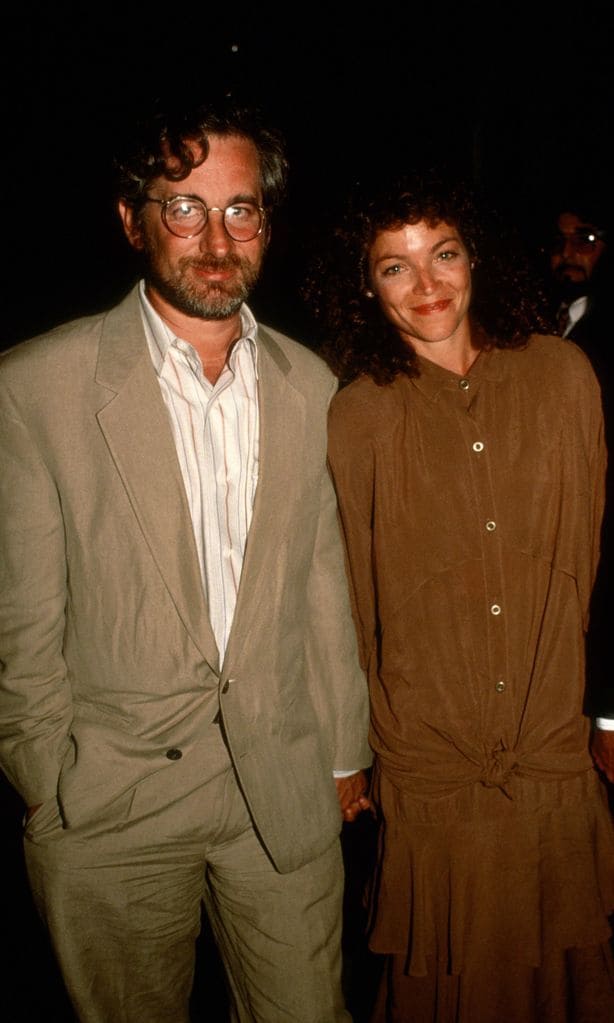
(569, 222)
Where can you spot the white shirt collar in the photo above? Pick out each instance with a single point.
(575, 312)
(160, 337)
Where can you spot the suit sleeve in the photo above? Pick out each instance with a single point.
(35, 701)
(339, 689)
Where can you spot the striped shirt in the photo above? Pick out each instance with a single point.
(216, 432)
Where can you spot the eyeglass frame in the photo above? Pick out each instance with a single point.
(164, 203)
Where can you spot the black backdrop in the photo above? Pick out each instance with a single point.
(515, 97)
(518, 98)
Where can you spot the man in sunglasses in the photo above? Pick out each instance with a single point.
(181, 705)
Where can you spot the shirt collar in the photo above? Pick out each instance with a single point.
(576, 311)
(434, 379)
(160, 337)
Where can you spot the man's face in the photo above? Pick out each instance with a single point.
(209, 275)
(576, 251)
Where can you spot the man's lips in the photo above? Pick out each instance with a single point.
(569, 268)
(219, 271)
(432, 307)
(214, 275)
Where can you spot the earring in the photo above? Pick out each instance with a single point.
(369, 294)
(472, 265)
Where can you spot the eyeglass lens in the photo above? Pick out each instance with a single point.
(186, 217)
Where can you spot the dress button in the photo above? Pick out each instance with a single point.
(491, 526)
(495, 609)
(174, 754)
(478, 446)
(500, 685)
(463, 384)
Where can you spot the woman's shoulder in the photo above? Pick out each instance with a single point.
(365, 400)
(551, 357)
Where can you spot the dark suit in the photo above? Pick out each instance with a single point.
(594, 333)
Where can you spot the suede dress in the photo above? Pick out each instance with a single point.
(471, 510)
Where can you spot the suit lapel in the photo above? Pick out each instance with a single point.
(136, 429)
(282, 410)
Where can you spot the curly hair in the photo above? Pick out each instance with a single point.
(171, 142)
(505, 309)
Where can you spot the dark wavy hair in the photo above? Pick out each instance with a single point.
(506, 307)
(171, 142)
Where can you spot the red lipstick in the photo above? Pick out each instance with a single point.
(432, 307)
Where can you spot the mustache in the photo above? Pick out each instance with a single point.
(213, 264)
(562, 267)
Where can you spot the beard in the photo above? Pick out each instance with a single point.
(568, 290)
(213, 300)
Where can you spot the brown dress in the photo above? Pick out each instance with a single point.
(471, 510)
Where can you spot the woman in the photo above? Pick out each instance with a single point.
(468, 459)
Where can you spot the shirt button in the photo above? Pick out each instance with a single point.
(491, 526)
(174, 754)
(478, 446)
(463, 384)
(495, 609)
(500, 685)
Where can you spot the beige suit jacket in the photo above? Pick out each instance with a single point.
(108, 658)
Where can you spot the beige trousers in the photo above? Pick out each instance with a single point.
(122, 898)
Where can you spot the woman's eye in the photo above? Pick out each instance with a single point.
(391, 270)
(447, 255)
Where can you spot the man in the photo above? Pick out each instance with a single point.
(580, 276)
(180, 682)
(577, 262)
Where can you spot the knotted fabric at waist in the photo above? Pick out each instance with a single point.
(455, 764)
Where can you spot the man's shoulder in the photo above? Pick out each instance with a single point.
(298, 356)
(69, 344)
(56, 339)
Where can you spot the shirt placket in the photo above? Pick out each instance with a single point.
(490, 611)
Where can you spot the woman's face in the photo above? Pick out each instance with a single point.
(422, 278)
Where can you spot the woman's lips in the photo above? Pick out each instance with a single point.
(432, 307)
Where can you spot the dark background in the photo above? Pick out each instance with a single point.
(518, 98)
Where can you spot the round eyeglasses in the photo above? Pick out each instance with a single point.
(186, 216)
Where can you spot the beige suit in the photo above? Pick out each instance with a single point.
(111, 681)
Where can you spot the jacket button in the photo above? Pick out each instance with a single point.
(174, 754)
(225, 688)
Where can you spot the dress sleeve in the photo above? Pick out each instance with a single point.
(351, 460)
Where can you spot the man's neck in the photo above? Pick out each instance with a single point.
(211, 339)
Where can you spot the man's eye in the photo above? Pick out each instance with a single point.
(238, 212)
(185, 210)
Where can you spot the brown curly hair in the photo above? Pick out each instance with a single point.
(507, 306)
(161, 144)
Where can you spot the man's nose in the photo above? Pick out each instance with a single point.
(214, 237)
